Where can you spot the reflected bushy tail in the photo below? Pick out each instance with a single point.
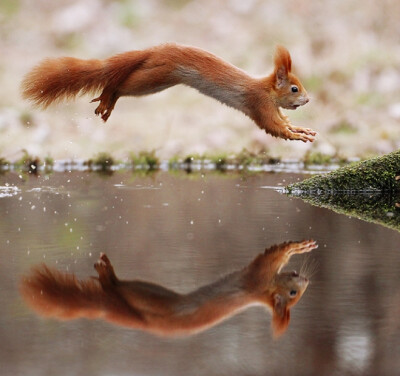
(61, 295)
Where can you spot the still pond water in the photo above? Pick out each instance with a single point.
(182, 232)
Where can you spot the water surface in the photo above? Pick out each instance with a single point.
(184, 231)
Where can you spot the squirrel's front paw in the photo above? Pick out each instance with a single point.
(302, 134)
(303, 247)
(294, 133)
(308, 131)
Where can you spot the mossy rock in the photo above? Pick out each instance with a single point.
(368, 190)
(380, 174)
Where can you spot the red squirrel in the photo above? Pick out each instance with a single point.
(143, 72)
(159, 310)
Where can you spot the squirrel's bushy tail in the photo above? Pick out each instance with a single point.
(61, 295)
(53, 80)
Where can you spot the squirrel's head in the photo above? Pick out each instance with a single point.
(288, 289)
(289, 92)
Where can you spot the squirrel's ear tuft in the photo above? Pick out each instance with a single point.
(280, 316)
(283, 65)
(282, 58)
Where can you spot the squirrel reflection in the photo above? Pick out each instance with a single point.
(156, 309)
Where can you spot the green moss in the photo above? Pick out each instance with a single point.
(4, 162)
(146, 160)
(317, 158)
(48, 164)
(375, 174)
(28, 163)
(189, 159)
(103, 161)
(220, 161)
(245, 159)
(49, 161)
(4, 165)
(174, 163)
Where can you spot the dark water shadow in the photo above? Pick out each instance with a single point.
(379, 208)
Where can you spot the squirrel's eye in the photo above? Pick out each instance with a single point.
(295, 89)
(293, 293)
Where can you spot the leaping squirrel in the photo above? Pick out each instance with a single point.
(143, 72)
(159, 310)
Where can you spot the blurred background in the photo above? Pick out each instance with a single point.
(346, 53)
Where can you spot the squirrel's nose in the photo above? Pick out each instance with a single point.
(294, 273)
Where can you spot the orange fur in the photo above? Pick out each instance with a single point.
(144, 72)
(154, 308)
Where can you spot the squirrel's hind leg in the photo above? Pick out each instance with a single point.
(106, 272)
(107, 103)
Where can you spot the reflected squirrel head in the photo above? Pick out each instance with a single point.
(288, 290)
(288, 91)
(280, 291)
